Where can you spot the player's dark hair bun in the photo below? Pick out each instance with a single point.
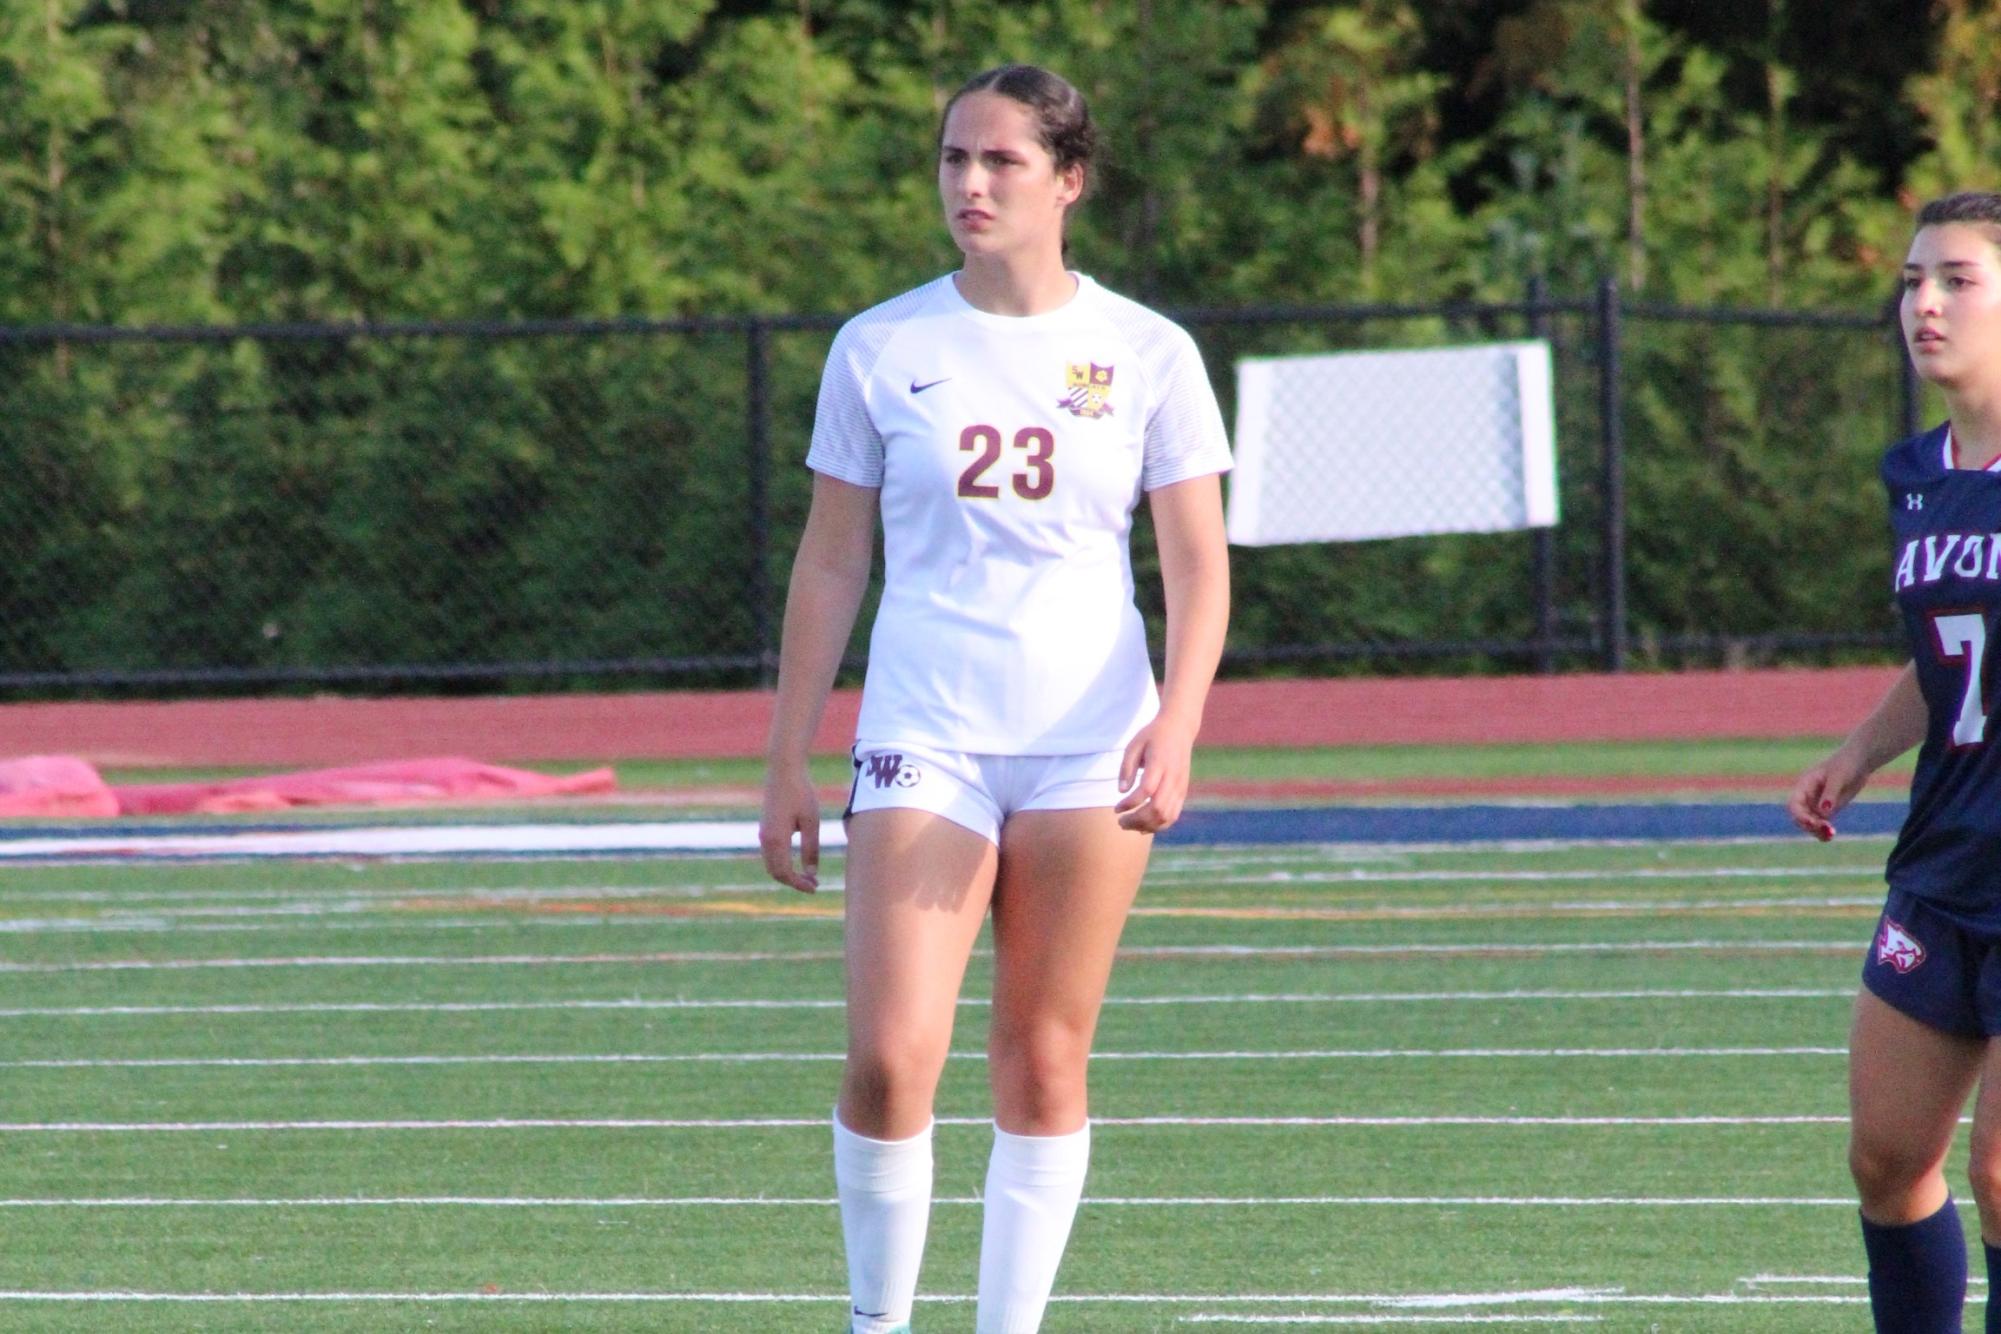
(1979, 207)
(1063, 121)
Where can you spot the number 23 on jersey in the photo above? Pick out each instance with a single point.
(1033, 480)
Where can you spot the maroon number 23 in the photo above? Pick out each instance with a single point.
(1034, 484)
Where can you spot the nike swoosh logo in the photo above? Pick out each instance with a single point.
(917, 388)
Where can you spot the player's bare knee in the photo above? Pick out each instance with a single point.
(1041, 1070)
(893, 1074)
(1886, 1170)
(1983, 1173)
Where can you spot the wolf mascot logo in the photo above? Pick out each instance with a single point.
(1897, 948)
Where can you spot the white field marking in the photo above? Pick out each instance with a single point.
(411, 847)
(349, 899)
(1829, 1280)
(788, 1057)
(400, 921)
(1496, 947)
(613, 837)
(1391, 1301)
(1502, 1318)
(408, 915)
(798, 956)
(1364, 876)
(829, 1202)
(426, 961)
(820, 1123)
(531, 894)
(224, 894)
(971, 1002)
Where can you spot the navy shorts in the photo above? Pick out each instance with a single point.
(1936, 969)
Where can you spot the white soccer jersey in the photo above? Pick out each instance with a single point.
(1010, 452)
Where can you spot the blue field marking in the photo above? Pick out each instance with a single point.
(1512, 824)
(111, 842)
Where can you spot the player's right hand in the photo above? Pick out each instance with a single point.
(790, 807)
(1822, 792)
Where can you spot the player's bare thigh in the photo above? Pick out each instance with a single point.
(1066, 884)
(1907, 1083)
(918, 887)
(1984, 1166)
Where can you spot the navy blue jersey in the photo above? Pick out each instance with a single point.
(1947, 563)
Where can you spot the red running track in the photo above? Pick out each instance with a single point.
(694, 724)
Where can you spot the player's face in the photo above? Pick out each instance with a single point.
(1952, 305)
(1000, 188)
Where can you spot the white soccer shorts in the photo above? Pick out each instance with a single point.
(980, 792)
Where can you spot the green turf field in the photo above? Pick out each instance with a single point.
(1754, 758)
(1406, 1089)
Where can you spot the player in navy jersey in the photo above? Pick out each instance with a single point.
(1929, 1012)
(1013, 756)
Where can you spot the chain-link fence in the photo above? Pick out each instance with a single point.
(513, 506)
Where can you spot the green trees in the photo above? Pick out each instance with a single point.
(258, 504)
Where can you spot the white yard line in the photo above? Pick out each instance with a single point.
(1157, 875)
(415, 840)
(819, 1123)
(1366, 876)
(1389, 1301)
(1843, 946)
(971, 1002)
(411, 913)
(786, 1058)
(829, 1202)
(1375, 1321)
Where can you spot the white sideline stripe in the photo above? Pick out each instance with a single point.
(1504, 1318)
(800, 956)
(611, 837)
(1363, 875)
(411, 923)
(1835, 1280)
(1158, 874)
(829, 1202)
(227, 894)
(383, 912)
(820, 1123)
(786, 1057)
(1391, 1301)
(977, 1002)
(1496, 947)
(419, 841)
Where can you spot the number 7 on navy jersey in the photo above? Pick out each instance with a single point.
(1962, 636)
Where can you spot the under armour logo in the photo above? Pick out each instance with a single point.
(1913, 501)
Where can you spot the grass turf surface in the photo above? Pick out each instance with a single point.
(1476, 1073)
(1666, 759)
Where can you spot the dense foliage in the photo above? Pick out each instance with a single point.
(264, 504)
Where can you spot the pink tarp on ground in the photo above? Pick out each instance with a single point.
(61, 785)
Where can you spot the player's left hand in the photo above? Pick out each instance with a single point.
(1154, 775)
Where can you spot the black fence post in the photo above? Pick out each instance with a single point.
(1611, 425)
(1542, 558)
(757, 412)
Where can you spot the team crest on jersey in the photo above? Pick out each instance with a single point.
(1087, 389)
(887, 769)
(1896, 947)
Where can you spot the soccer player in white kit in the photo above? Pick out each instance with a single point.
(1013, 755)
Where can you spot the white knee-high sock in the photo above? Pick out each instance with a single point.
(885, 1190)
(1033, 1184)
